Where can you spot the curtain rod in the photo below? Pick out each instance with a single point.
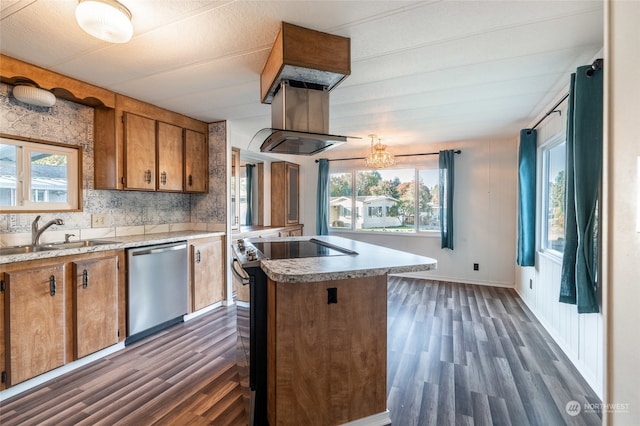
(399, 155)
(596, 65)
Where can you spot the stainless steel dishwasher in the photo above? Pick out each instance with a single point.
(157, 284)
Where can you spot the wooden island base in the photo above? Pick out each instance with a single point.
(327, 351)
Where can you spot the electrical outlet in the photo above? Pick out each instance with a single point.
(476, 266)
(530, 283)
(98, 220)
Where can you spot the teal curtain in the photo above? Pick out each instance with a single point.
(249, 175)
(584, 149)
(526, 255)
(445, 186)
(322, 202)
(568, 277)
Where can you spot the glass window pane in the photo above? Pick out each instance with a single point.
(555, 198)
(428, 201)
(8, 175)
(340, 200)
(49, 177)
(387, 200)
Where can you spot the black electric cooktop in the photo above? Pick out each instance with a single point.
(298, 249)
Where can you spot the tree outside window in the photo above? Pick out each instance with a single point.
(389, 200)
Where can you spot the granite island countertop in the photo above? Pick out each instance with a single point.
(371, 260)
(114, 243)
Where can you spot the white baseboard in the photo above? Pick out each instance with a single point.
(428, 276)
(203, 311)
(380, 419)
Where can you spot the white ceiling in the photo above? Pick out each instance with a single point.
(422, 71)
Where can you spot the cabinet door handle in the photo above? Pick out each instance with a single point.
(163, 178)
(147, 176)
(85, 278)
(52, 285)
(190, 180)
(198, 256)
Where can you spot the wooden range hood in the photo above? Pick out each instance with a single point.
(303, 67)
(299, 54)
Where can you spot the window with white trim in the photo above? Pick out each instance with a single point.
(553, 196)
(384, 200)
(38, 176)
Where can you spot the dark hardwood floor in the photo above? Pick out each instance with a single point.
(457, 354)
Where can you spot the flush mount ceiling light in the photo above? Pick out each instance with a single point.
(379, 157)
(34, 96)
(107, 20)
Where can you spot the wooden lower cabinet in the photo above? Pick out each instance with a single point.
(207, 272)
(327, 362)
(47, 316)
(35, 321)
(95, 296)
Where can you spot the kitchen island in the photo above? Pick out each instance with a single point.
(326, 329)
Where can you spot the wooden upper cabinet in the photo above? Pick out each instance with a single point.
(234, 214)
(170, 157)
(285, 193)
(35, 321)
(196, 162)
(95, 295)
(139, 146)
(140, 152)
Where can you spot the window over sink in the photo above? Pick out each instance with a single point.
(39, 175)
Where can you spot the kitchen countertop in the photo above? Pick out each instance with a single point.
(118, 243)
(371, 260)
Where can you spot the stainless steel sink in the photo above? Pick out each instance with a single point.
(7, 251)
(77, 244)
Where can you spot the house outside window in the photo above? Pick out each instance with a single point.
(39, 176)
(388, 199)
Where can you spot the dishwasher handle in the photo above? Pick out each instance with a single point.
(156, 250)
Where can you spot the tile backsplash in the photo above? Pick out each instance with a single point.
(71, 123)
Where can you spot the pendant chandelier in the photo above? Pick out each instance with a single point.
(379, 157)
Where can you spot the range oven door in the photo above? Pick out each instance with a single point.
(252, 338)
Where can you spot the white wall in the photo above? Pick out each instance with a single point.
(579, 336)
(485, 199)
(622, 193)
(484, 222)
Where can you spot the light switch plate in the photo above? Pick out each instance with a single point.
(98, 220)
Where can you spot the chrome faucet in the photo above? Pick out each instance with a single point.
(36, 231)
